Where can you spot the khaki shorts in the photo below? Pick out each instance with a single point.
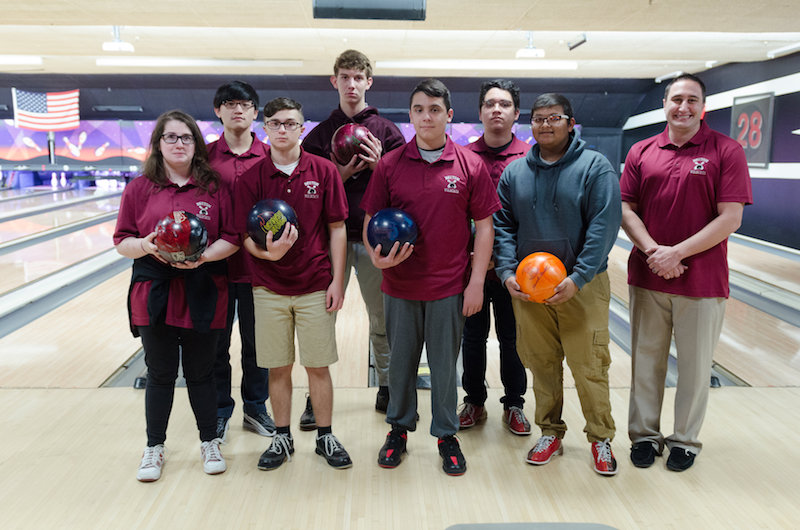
(279, 316)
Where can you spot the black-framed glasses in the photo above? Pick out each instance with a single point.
(231, 105)
(172, 138)
(274, 125)
(553, 119)
(489, 104)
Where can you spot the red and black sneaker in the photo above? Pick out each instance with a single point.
(453, 462)
(391, 454)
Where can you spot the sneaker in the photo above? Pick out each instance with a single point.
(382, 399)
(152, 462)
(260, 423)
(277, 453)
(453, 462)
(643, 454)
(333, 451)
(604, 461)
(213, 463)
(543, 451)
(516, 421)
(222, 428)
(307, 420)
(680, 459)
(470, 415)
(391, 454)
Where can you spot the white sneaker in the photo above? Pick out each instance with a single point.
(152, 462)
(213, 463)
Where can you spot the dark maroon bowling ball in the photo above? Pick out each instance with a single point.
(181, 236)
(346, 142)
(390, 225)
(269, 215)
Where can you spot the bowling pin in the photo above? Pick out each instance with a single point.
(53, 180)
(100, 150)
(28, 142)
(63, 180)
(81, 139)
(73, 149)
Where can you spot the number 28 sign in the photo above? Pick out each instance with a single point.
(751, 126)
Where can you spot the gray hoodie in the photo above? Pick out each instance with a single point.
(570, 208)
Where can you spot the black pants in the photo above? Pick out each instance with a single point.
(163, 348)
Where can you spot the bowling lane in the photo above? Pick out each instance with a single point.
(36, 223)
(31, 263)
(765, 266)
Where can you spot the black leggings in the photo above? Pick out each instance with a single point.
(163, 348)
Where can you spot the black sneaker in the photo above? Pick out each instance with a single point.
(222, 428)
(382, 399)
(260, 423)
(331, 448)
(277, 453)
(453, 462)
(643, 454)
(680, 459)
(307, 420)
(391, 454)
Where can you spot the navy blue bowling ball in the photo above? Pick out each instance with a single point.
(181, 236)
(390, 225)
(269, 215)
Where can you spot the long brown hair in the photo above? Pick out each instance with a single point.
(154, 169)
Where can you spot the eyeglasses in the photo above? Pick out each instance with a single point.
(553, 119)
(231, 105)
(274, 125)
(504, 104)
(172, 138)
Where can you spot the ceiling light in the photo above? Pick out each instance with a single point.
(783, 50)
(117, 108)
(530, 51)
(577, 42)
(117, 45)
(20, 59)
(671, 75)
(478, 64)
(172, 62)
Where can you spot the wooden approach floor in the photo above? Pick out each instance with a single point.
(70, 455)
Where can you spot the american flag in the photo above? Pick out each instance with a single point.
(50, 111)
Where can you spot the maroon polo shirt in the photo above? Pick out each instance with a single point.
(318, 142)
(230, 167)
(315, 191)
(143, 205)
(677, 190)
(441, 197)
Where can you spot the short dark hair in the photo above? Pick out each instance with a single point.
(551, 99)
(276, 105)
(686, 77)
(352, 60)
(503, 84)
(235, 91)
(433, 88)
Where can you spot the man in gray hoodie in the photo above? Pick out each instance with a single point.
(563, 199)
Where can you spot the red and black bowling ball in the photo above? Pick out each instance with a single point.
(346, 142)
(390, 225)
(269, 215)
(181, 236)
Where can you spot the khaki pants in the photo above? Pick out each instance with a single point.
(578, 331)
(696, 323)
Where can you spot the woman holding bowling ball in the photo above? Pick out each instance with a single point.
(178, 306)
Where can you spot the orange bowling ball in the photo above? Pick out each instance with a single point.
(539, 274)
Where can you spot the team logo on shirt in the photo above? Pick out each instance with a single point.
(203, 208)
(452, 183)
(311, 189)
(699, 166)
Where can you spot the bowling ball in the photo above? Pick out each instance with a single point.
(181, 236)
(390, 225)
(346, 142)
(539, 274)
(269, 215)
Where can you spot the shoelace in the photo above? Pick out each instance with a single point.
(543, 443)
(603, 450)
(150, 457)
(280, 444)
(211, 450)
(517, 415)
(331, 444)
